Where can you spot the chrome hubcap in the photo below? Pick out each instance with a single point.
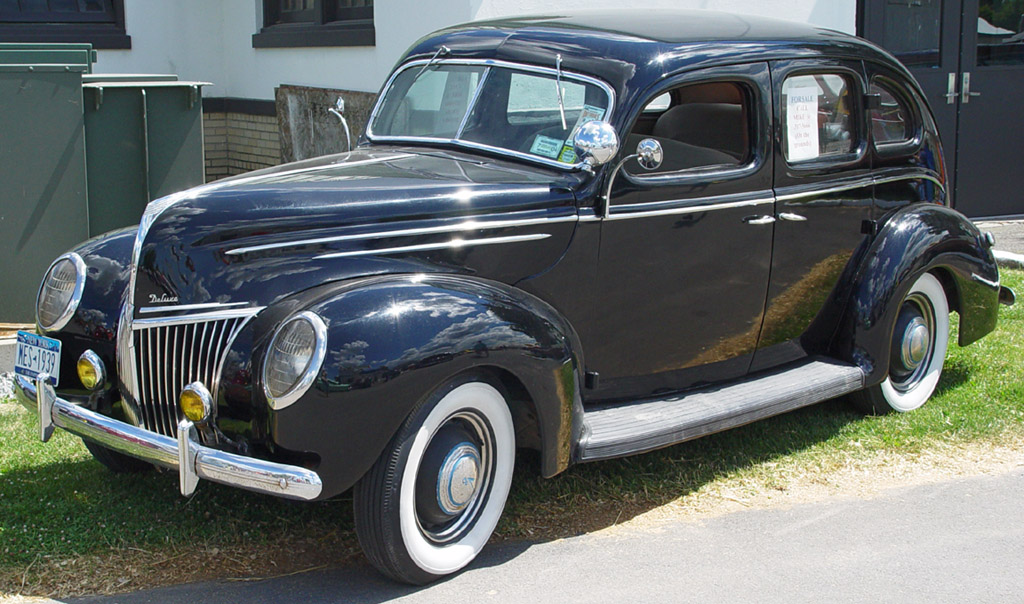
(916, 339)
(912, 343)
(454, 477)
(457, 481)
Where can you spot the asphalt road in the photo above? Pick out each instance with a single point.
(955, 541)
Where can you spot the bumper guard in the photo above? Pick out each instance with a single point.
(186, 454)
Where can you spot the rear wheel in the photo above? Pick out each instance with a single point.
(918, 349)
(431, 501)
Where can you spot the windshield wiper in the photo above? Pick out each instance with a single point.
(440, 51)
(558, 86)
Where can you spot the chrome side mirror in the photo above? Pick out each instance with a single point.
(649, 154)
(595, 143)
(338, 111)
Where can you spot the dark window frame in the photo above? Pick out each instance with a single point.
(330, 25)
(104, 30)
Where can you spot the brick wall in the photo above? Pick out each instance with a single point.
(239, 142)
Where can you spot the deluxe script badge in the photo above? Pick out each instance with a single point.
(162, 299)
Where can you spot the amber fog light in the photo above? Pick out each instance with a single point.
(91, 371)
(196, 402)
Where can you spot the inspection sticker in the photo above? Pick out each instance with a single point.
(546, 146)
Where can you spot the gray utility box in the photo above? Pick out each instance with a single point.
(82, 154)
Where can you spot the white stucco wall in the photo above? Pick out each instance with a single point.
(212, 41)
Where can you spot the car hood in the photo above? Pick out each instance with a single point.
(268, 234)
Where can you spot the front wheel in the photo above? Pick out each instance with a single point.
(918, 349)
(431, 501)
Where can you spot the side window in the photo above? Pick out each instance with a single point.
(891, 121)
(698, 126)
(817, 118)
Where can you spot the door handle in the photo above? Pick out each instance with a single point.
(759, 219)
(792, 217)
(951, 92)
(965, 90)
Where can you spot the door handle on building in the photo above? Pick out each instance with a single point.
(965, 89)
(951, 92)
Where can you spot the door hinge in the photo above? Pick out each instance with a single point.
(869, 227)
(591, 380)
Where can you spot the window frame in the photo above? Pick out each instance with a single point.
(753, 77)
(323, 30)
(857, 89)
(908, 102)
(104, 30)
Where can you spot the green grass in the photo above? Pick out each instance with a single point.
(57, 504)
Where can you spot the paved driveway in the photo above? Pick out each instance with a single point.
(956, 541)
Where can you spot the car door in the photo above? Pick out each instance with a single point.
(823, 190)
(685, 249)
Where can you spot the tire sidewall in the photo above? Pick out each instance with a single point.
(425, 558)
(903, 401)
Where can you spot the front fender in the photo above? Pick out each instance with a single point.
(393, 340)
(909, 242)
(94, 324)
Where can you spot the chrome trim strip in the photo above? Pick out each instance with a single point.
(688, 209)
(993, 284)
(283, 480)
(887, 179)
(463, 143)
(183, 307)
(472, 102)
(860, 183)
(470, 225)
(453, 244)
(196, 318)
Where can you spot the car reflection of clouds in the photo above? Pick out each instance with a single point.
(351, 355)
(436, 304)
(108, 274)
(484, 328)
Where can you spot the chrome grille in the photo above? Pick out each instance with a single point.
(168, 354)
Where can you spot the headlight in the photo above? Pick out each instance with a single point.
(60, 292)
(294, 358)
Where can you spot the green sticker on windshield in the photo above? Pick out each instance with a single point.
(546, 146)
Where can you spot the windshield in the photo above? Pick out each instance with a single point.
(511, 109)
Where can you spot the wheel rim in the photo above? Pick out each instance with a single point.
(913, 344)
(454, 477)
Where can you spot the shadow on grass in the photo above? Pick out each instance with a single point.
(583, 499)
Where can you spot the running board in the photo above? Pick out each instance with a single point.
(628, 428)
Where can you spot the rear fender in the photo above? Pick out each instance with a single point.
(912, 241)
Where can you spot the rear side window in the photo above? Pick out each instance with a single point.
(817, 118)
(890, 121)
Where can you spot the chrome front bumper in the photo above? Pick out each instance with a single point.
(190, 458)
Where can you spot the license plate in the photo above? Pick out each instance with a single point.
(37, 354)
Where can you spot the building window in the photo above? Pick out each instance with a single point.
(292, 23)
(98, 22)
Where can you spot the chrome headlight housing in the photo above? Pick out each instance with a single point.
(294, 358)
(60, 292)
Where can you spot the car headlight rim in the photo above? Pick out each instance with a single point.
(305, 379)
(61, 318)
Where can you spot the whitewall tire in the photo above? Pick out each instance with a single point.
(431, 501)
(919, 340)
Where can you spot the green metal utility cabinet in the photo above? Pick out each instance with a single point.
(82, 154)
(43, 208)
(144, 140)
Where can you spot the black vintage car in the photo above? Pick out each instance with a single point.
(590, 235)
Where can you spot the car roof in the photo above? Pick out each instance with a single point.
(631, 49)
